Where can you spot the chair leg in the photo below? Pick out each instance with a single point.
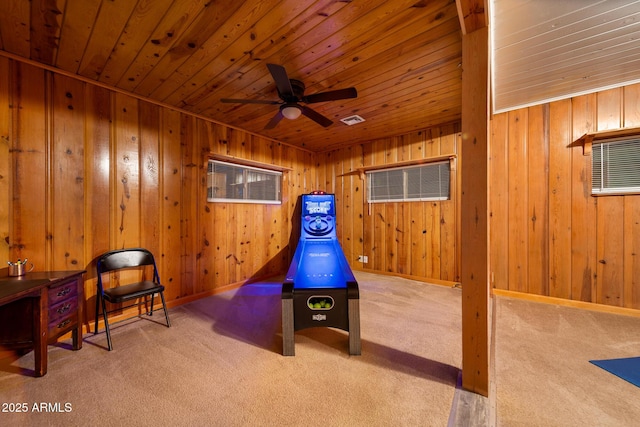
(164, 306)
(98, 298)
(150, 311)
(106, 324)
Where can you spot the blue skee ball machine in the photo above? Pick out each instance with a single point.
(319, 289)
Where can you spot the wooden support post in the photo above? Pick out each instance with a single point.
(474, 212)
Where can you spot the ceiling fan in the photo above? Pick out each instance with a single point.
(291, 93)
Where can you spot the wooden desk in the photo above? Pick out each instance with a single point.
(39, 307)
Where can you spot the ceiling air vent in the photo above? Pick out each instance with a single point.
(352, 120)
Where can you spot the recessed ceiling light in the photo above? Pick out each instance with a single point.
(352, 120)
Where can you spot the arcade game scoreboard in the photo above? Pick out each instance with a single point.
(319, 289)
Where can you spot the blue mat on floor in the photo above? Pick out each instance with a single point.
(628, 368)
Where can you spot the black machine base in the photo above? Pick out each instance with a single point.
(320, 307)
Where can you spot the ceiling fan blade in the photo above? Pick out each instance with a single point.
(315, 116)
(281, 79)
(331, 95)
(274, 121)
(248, 101)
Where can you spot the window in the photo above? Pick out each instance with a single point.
(615, 166)
(412, 183)
(245, 184)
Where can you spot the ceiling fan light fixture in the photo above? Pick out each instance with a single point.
(291, 112)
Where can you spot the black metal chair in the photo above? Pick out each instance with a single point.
(121, 259)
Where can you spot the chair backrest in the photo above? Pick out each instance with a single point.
(125, 258)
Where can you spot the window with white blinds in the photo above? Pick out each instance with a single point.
(228, 182)
(615, 166)
(412, 183)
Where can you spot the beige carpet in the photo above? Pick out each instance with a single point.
(220, 364)
(542, 372)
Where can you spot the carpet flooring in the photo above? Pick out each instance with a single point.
(542, 374)
(220, 364)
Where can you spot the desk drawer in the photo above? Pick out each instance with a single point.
(62, 325)
(62, 292)
(62, 309)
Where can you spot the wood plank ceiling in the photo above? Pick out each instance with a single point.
(548, 49)
(402, 56)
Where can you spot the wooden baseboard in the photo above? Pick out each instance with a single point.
(602, 308)
(428, 280)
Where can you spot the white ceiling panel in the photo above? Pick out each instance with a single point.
(545, 50)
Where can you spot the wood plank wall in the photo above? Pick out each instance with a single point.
(549, 236)
(414, 239)
(5, 160)
(84, 170)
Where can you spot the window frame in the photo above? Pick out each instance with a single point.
(597, 153)
(405, 184)
(245, 169)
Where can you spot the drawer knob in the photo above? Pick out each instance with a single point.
(64, 292)
(63, 324)
(64, 308)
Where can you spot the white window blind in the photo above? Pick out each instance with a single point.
(238, 183)
(615, 166)
(412, 183)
